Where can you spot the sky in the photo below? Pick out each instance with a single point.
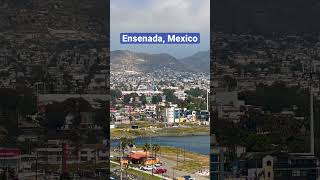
(160, 16)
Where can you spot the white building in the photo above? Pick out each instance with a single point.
(181, 95)
(172, 115)
(169, 113)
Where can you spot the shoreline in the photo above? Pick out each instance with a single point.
(163, 135)
(189, 162)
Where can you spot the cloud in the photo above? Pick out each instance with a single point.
(160, 16)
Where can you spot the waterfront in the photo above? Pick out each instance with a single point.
(197, 144)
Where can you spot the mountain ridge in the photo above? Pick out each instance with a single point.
(138, 61)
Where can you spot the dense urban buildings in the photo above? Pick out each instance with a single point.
(151, 99)
(53, 89)
(264, 102)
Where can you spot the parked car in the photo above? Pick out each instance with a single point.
(160, 171)
(185, 178)
(147, 168)
(188, 178)
(158, 165)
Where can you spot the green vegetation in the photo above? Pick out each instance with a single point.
(155, 149)
(128, 97)
(277, 133)
(180, 131)
(136, 173)
(277, 97)
(142, 174)
(115, 93)
(197, 92)
(193, 103)
(146, 147)
(156, 99)
(170, 97)
(188, 161)
(125, 142)
(269, 130)
(190, 166)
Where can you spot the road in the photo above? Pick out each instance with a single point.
(171, 172)
(147, 172)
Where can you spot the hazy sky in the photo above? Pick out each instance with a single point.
(161, 16)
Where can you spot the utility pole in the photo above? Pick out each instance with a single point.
(37, 165)
(120, 160)
(95, 158)
(151, 146)
(208, 93)
(311, 108)
(256, 173)
(7, 172)
(172, 173)
(177, 157)
(184, 153)
(311, 123)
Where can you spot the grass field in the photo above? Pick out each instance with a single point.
(188, 161)
(145, 131)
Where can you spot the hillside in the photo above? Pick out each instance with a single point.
(132, 61)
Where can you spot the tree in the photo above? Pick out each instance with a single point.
(125, 142)
(143, 99)
(146, 147)
(115, 94)
(127, 97)
(197, 92)
(130, 142)
(156, 99)
(278, 96)
(155, 149)
(170, 97)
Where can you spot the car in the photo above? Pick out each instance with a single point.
(160, 171)
(158, 165)
(53, 176)
(188, 178)
(147, 168)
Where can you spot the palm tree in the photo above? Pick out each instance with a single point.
(123, 144)
(155, 149)
(130, 143)
(146, 147)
